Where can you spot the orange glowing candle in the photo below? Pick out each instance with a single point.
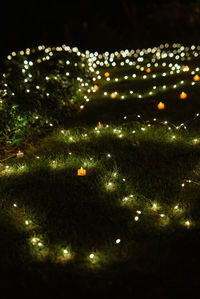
(161, 106)
(186, 68)
(81, 172)
(113, 95)
(20, 154)
(183, 95)
(196, 78)
(96, 87)
(107, 74)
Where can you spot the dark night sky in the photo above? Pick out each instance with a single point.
(31, 23)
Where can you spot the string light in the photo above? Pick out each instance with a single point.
(156, 55)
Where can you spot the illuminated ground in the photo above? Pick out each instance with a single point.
(133, 219)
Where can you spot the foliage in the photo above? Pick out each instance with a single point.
(39, 89)
(136, 212)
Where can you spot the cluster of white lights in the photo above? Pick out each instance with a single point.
(136, 59)
(133, 58)
(46, 54)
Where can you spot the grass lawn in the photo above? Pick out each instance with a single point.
(131, 224)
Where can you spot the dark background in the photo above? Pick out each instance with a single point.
(98, 25)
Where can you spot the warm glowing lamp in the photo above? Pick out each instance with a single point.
(96, 87)
(161, 106)
(183, 95)
(81, 172)
(148, 70)
(20, 154)
(107, 74)
(186, 68)
(113, 95)
(196, 78)
(100, 125)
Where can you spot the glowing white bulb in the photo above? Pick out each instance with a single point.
(187, 223)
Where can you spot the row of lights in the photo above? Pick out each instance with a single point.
(163, 51)
(38, 242)
(137, 54)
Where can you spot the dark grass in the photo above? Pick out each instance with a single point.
(63, 206)
(156, 256)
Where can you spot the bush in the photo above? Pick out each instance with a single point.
(41, 88)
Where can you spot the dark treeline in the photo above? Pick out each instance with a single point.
(124, 24)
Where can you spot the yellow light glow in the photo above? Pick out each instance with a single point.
(196, 78)
(107, 74)
(113, 95)
(96, 87)
(186, 68)
(20, 154)
(187, 223)
(161, 106)
(183, 95)
(81, 172)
